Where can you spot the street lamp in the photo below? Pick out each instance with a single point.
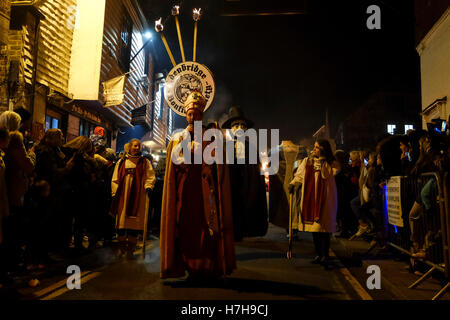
(148, 35)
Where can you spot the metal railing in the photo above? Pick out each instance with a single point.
(426, 232)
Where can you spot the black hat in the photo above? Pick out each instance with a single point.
(235, 113)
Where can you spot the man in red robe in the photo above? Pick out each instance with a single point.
(196, 218)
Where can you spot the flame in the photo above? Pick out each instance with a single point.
(175, 10)
(196, 14)
(158, 25)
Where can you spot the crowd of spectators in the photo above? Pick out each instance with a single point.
(361, 182)
(55, 197)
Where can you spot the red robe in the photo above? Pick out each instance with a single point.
(196, 220)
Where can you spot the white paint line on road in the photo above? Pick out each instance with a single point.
(61, 285)
(54, 286)
(65, 289)
(353, 282)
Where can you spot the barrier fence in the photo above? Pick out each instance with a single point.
(426, 224)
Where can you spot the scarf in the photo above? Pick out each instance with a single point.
(135, 193)
(312, 202)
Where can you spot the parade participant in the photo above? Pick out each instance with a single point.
(248, 188)
(319, 197)
(196, 218)
(131, 186)
(289, 153)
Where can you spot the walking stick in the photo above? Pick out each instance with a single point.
(144, 236)
(289, 252)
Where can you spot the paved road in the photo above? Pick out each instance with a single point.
(262, 273)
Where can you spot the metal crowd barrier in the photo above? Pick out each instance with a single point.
(433, 226)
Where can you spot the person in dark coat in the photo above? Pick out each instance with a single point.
(53, 166)
(345, 219)
(248, 189)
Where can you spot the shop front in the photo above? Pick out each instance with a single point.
(75, 120)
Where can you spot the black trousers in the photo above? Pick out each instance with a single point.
(322, 243)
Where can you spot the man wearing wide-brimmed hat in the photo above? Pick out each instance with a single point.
(196, 218)
(248, 187)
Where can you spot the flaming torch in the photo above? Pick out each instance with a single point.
(159, 28)
(175, 13)
(196, 15)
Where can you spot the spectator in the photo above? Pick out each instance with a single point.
(406, 156)
(355, 164)
(19, 168)
(4, 207)
(39, 234)
(428, 162)
(52, 166)
(362, 209)
(346, 221)
(81, 179)
(25, 126)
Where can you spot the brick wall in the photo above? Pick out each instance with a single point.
(20, 50)
(5, 12)
(3, 77)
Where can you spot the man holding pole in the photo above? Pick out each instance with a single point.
(196, 218)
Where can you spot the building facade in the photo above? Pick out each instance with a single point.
(55, 63)
(433, 46)
(381, 114)
(5, 13)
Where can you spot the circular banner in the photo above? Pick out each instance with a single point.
(184, 78)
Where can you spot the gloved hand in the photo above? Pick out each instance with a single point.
(291, 188)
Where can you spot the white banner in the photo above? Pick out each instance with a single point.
(113, 91)
(394, 201)
(87, 43)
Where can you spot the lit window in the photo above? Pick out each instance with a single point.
(159, 101)
(170, 122)
(51, 123)
(391, 128)
(408, 127)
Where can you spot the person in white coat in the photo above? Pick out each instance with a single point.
(132, 183)
(318, 205)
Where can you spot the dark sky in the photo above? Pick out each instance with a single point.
(286, 70)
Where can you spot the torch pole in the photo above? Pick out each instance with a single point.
(168, 49)
(195, 41)
(180, 40)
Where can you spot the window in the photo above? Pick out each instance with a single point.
(125, 42)
(408, 127)
(86, 128)
(391, 128)
(159, 101)
(170, 122)
(51, 123)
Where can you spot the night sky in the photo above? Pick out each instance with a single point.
(286, 70)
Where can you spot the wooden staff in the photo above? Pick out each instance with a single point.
(289, 252)
(144, 236)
